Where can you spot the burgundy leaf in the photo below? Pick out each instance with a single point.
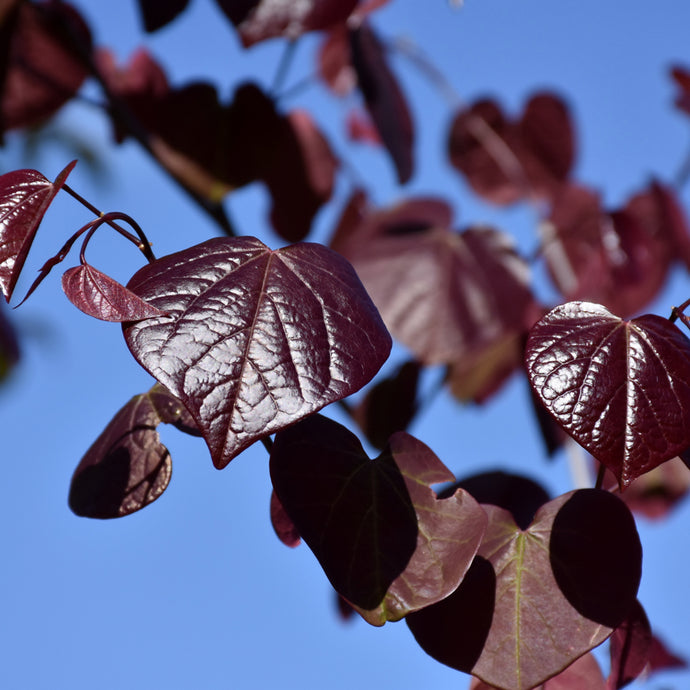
(535, 600)
(618, 259)
(389, 406)
(157, 13)
(24, 198)
(9, 348)
(335, 62)
(620, 388)
(360, 128)
(629, 647)
(98, 295)
(681, 75)
(282, 524)
(660, 658)
(45, 69)
(258, 20)
(255, 339)
(127, 467)
(384, 99)
(386, 542)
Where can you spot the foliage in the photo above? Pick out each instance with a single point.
(247, 343)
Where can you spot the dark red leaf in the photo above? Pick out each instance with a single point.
(384, 98)
(389, 406)
(282, 524)
(682, 78)
(24, 198)
(618, 259)
(45, 69)
(660, 658)
(157, 13)
(386, 542)
(9, 348)
(258, 20)
(98, 295)
(360, 128)
(255, 339)
(127, 467)
(620, 388)
(504, 160)
(335, 63)
(629, 647)
(535, 600)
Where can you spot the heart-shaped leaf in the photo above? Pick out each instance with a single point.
(386, 542)
(255, 339)
(127, 467)
(620, 388)
(24, 198)
(98, 295)
(535, 600)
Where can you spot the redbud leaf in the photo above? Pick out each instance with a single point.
(386, 542)
(9, 348)
(282, 524)
(127, 467)
(255, 339)
(535, 600)
(24, 198)
(102, 297)
(620, 388)
(629, 648)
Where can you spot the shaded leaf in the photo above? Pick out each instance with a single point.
(537, 599)
(156, 14)
(383, 98)
(620, 388)
(282, 524)
(9, 348)
(98, 295)
(127, 467)
(629, 648)
(44, 68)
(24, 198)
(255, 339)
(258, 20)
(385, 541)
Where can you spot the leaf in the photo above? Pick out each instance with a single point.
(127, 467)
(629, 647)
(282, 524)
(156, 14)
(386, 542)
(98, 295)
(681, 76)
(383, 98)
(255, 339)
(258, 20)
(24, 198)
(620, 388)
(535, 600)
(9, 348)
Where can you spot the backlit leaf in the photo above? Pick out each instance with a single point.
(24, 198)
(255, 339)
(386, 542)
(629, 647)
(620, 388)
(127, 467)
(98, 295)
(535, 600)
(282, 524)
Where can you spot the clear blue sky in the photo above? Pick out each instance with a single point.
(195, 591)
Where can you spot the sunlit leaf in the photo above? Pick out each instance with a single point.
(102, 297)
(535, 600)
(127, 467)
(255, 339)
(384, 539)
(620, 388)
(24, 198)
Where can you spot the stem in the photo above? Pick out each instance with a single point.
(600, 476)
(283, 67)
(268, 444)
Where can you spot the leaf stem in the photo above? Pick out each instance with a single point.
(268, 443)
(600, 476)
(284, 66)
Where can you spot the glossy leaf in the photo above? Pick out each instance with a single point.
(629, 648)
(386, 542)
(255, 339)
(384, 98)
(258, 20)
(102, 297)
(127, 467)
(535, 600)
(620, 388)
(156, 14)
(24, 198)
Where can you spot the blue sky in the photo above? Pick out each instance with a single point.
(196, 591)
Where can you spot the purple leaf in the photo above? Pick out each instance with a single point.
(127, 467)
(384, 539)
(620, 388)
(24, 198)
(98, 295)
(255, 339)
(629, 647)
